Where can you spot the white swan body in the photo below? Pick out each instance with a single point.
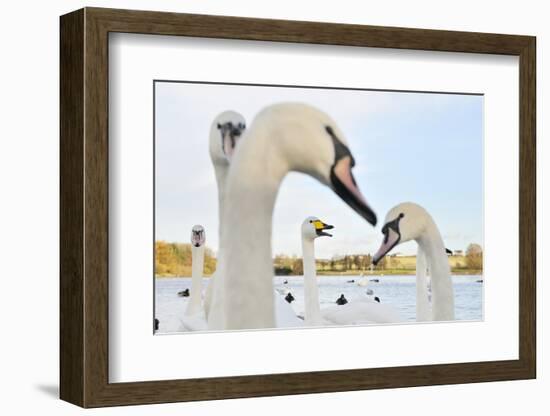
(193, 323)
(224, 133)
(361, 312)
(409, 221)
(283, 138)
(285, 316)
(363, 281)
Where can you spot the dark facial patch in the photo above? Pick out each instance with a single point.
(232, 130)
(197, 237)
(394, 226)
(341, 151)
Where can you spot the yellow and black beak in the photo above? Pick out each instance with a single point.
(320, 228)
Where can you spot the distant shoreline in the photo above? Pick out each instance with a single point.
(174, 259)
(394, 272)
(374, 273)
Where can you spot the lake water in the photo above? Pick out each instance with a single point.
(398, 291)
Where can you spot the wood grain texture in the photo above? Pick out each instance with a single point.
(162, 23)
(84, 207)
(528, 208)
(71, 100)
(96, 220)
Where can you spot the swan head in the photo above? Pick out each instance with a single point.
(311, 142)
(313, 228)
(225, 131)
(198, 237)
(404, 222)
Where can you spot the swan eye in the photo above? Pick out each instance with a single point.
(310, 221)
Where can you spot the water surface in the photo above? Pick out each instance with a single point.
(398, 291)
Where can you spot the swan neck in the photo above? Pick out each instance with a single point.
(438, 263)
(197, 266)
(212, 298)
(252, 186)
(423, 312)
(312, 313)
(221, 171)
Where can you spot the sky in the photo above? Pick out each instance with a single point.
(408, 146)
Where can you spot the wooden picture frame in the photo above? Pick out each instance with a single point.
(84, 207)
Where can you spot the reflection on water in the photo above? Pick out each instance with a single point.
(398, 291)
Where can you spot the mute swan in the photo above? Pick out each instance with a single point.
(346, 313)
(283, 137)
(225, 132)
(198, 238)
(409, 221)
(194, 319)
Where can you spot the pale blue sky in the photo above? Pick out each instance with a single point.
(419, 147)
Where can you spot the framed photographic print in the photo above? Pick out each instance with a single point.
(256, 207)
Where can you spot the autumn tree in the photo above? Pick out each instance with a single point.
(474, 257)
(164, 258)
(175, 259)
